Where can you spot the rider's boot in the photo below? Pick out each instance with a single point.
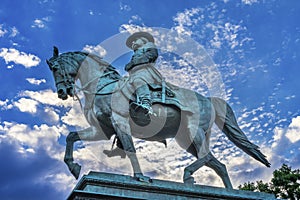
(144, 102)
(145, 105)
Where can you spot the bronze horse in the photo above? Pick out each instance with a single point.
(100, 82)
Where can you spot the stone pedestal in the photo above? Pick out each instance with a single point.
(98, 185)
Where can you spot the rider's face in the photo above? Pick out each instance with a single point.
(137, 43)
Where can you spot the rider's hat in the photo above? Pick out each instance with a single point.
(131, 38)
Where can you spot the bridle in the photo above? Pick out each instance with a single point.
(69, 82)
(65, 78)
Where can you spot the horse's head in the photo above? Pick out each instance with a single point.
(64, 69)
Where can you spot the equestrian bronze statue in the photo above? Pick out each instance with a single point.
(176, 113)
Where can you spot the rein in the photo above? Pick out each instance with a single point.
(67, 80)
(96, 59)
(100, 89)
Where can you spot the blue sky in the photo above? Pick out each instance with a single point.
(255, 45)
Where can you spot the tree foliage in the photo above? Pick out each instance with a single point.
(284, 184)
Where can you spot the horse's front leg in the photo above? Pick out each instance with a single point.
(69, 160)
(122, 128)
(89, 134)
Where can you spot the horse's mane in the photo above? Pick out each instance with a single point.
(98, 59)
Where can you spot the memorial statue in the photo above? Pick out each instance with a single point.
(188, 115)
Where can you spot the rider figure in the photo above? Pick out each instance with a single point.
(141, 69)
(141, 73)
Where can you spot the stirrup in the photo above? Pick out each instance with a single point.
(146, 109)
(139, 114)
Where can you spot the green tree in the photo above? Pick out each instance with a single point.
(250, 186)
(284, 184)
(263, 187)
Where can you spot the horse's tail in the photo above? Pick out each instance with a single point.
(226, 121)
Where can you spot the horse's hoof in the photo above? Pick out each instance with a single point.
(115, 152)
(142, 178)
(189, 180)
(76, 170)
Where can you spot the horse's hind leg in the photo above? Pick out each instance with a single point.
(198, 148)
(221, 170)
(189, 170)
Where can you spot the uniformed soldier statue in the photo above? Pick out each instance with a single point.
(141, 69)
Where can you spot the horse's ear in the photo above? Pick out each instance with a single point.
(49, 64)
(55, 51)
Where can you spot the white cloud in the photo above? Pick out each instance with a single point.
(2, 30)
(10, 66)
(214, 31)
(51, 114)
(230, 33)
(75, 117)
(35, 138)
(97, 50)
(189, 78)
(27, 141)
(293, 131)
(61, 181)
(14, 32)
(26, 105)
(47, 97)
(226, 34)
(91, 12)
(35, 81)
(249, 2)
(132, 28)
(40, 23)
(186, 19)
(135, 18)
(124, 7)
(284, 141)
(22, 58)
(4, 105)
(284, 136)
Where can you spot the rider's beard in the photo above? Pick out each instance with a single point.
(135, 46)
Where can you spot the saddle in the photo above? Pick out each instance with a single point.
(158, 94)
(164, 93)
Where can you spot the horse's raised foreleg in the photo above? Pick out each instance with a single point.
(221, 170)
(89, 134)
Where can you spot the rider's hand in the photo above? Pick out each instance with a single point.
(128, 66)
